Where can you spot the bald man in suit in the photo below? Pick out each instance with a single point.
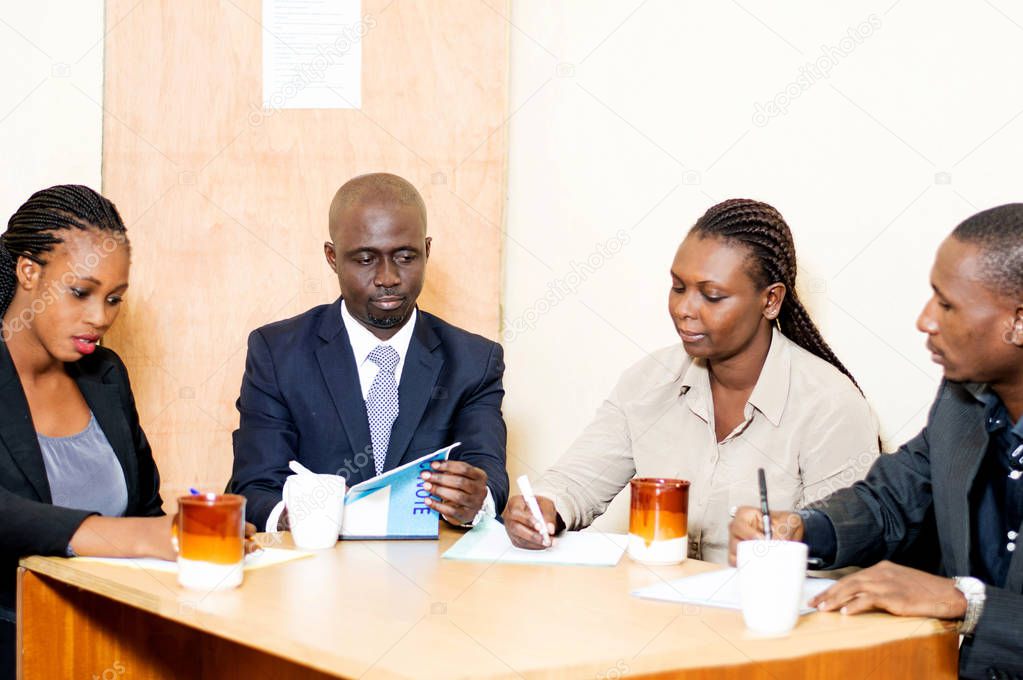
(371, 382)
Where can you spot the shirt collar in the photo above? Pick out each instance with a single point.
(772, 389)
(996, 416)
(695, 387)
(363, 341)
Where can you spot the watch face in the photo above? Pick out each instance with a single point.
(970, 586)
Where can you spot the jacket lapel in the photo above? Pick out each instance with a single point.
(337, 363)
(16, 428)
(418, 378)
(104, 400)
(967, 444)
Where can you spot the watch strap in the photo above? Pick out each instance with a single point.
(974, 591)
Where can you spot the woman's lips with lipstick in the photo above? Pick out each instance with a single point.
(85, 344)
(688, 336)
(389, 302)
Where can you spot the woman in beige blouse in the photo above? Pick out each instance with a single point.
(753, 384)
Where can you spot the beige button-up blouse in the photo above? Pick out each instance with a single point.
(805, 423)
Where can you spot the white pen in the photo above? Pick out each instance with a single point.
(527, 494)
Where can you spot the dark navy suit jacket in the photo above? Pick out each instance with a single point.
(301, 400)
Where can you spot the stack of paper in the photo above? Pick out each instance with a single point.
(719, 589)
(489, 542)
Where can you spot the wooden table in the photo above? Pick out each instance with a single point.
(397, 610)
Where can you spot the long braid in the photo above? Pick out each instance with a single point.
(8, 279)
(761, 228)
(34, 229)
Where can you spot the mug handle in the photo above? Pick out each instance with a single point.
(174, 535)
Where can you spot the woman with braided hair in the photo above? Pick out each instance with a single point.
(76, 472)
(751, 385)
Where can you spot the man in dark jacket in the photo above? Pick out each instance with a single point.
(371, 382)
(960, 481)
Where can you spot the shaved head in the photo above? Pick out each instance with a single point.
(378, 249)
(377, 189)
(998, 233)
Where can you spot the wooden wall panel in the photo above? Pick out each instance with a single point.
(226, 204)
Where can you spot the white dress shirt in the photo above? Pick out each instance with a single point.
(363, 342)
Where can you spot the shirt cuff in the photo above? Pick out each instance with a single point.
(819, 536)
(564, 507)
(488, 509)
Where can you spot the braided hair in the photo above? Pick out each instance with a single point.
(763, 231)
(34, 229)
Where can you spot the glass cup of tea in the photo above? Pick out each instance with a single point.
(210, 535)
(659, 520)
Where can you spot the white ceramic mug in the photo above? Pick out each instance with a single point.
(315, 506)
(771, 578)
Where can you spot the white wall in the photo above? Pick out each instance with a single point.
(51, 120)
(638, 116)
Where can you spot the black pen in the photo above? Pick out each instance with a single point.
(763, 503)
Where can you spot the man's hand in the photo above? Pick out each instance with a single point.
(896, 589)
(251, 545)
(522, 527)
(748, 525)
(461, 488)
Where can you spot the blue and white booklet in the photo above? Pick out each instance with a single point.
(392, 505)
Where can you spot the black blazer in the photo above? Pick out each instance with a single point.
(301, 399)
(31, 524)
(922, 491)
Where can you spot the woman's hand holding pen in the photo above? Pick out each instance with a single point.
(747, 524)
(522, 527)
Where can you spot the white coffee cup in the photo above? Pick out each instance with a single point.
(315, 506)
(771, 578)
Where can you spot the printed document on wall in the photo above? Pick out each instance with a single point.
(312, 54)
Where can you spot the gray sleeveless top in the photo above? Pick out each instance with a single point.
(84, 472)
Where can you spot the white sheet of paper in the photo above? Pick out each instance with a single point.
(719, 589)
(268, 557)
(489, 542)
(312, 54)
(368, 517)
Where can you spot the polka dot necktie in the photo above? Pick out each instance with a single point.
(382, 402)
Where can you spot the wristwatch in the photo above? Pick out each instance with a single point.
(974, 591)
(486, 509)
